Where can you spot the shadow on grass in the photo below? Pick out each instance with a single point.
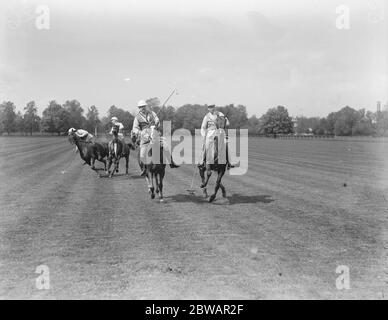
(136, 177)
(232, 200)
(117, 175)
(240, 199)
(193, 198)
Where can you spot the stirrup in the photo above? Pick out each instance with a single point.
(230, 166)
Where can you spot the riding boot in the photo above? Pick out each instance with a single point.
(172, 164)
(143, 171)
(229, 166)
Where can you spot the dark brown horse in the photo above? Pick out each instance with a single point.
(220, 168)
(117, 150)
(155, 172)
(89, 151)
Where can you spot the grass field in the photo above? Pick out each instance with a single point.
(303, 209)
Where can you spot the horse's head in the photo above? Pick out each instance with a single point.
(72, 138)
(115, 131)
(221, 122)
(135, 138)
(154, 133)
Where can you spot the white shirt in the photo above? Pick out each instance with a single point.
(209, 126)
(144, 119)
(82, 133)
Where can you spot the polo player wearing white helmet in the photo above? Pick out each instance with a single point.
(209, 131)
(117, 127)
(144, 120)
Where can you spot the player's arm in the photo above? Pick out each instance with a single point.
(81, 133)
(156, 120)
(135, 126)
(204, 126)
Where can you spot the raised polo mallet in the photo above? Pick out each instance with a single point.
(169, 97)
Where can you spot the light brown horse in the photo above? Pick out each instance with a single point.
(220, 168)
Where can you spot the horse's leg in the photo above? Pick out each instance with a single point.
(116, 169)
(114, 161)
(218, 183)
(92, 161)
(208, 175)
(138, 161)
(148, 183)
(157, 183)
(101, 159)
(223, 190)
(126, 163)
(109, 164)
(117, 165)
(161, 177)
(202, 175)
(152, 186)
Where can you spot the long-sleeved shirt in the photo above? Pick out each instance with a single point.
(144, 120)
(209, 125)
(118, 125)
(83, 133)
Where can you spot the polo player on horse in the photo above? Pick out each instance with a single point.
(145, 121)
(210, 131)
(83, 135)
(116, 131)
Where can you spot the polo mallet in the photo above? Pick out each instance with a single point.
(169, 97)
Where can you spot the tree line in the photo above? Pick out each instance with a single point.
(57, 118)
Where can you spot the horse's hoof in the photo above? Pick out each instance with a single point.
(205, 193)
(152, 196)
(212, 198)
(161, 200)
(224, 194)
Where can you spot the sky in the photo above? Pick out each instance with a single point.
(256, 53)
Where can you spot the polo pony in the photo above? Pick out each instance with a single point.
(89, 151)
(117, 150)
(217, 163)
(155, 170)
